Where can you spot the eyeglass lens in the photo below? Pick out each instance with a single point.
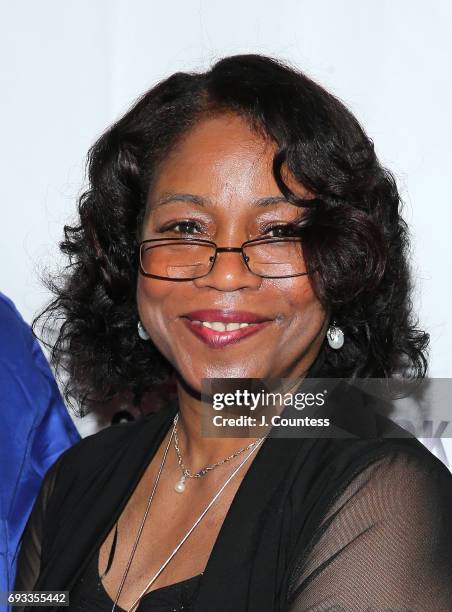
(189, 259)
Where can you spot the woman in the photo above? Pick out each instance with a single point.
(153, 515)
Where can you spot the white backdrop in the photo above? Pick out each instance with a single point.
(70, 68)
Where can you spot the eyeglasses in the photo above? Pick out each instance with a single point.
(188, 259)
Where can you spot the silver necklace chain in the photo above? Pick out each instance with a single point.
(207, 468)
(255, 445)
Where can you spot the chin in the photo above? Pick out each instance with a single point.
(194, 379)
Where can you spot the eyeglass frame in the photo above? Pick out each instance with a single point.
(218, 250)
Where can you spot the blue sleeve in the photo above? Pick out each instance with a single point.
(35, 429)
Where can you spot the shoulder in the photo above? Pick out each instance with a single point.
(390, 480)
(99, 446)
(397, 468)
(7, 308)
(20, 352)
(14, 332)
(389, 517)
(401, 501)
(401, 455)
(397, 483)
(402, 469)
(92, 455)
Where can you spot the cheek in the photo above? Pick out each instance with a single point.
(150, 290)
(302, 306)
(153, 298)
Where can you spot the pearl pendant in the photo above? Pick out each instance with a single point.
(335, 337)
(180, 485)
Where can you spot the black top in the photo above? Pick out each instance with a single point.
(316, 524)
(89, 594)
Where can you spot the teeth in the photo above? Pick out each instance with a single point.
(221, 327)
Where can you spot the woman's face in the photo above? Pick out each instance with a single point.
(223, 168)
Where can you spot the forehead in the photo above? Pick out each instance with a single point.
(223, 153)
(221, 163)
(220, 134)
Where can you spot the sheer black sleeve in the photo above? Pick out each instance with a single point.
(29, 560)
(385, 545)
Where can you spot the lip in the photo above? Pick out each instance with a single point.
(218, 339)
(226, 316)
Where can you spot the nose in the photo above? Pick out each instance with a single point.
(229, 272)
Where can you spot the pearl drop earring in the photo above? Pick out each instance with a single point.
(335, 336)
(142, 332)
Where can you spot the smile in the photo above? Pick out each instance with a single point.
(219, 326)
(217, 334)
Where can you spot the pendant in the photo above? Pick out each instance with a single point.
(180, 485)
(335, 337)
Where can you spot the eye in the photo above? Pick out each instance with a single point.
(181, 227)
(280, 230)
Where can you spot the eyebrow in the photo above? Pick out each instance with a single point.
(168, 197)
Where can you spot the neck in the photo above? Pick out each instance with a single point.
(198, 449)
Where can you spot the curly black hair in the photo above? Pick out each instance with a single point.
(355, 236)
